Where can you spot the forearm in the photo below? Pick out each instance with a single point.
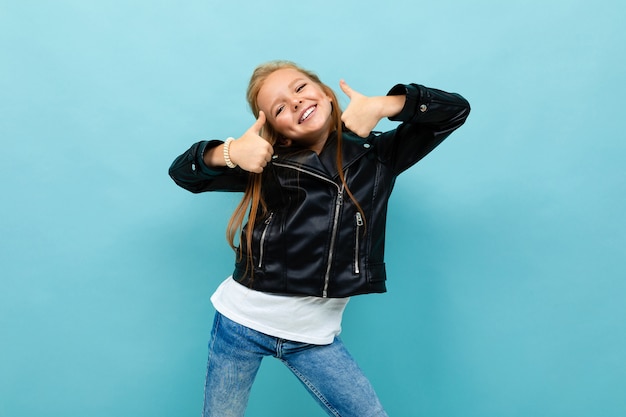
(214, 157)
(191, 171)
(428, 117)
(425, 105)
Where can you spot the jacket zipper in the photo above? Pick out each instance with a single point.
(359, 224)
(262, 242)
(333, 237)
(338, 204)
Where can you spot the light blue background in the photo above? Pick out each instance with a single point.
(506, 246)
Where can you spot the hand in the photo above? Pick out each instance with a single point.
(252, 152)
(361, 115)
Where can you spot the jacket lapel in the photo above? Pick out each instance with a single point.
(353, 147)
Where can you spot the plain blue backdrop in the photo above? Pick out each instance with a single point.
(506, 246)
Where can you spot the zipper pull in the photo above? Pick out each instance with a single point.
(359, 219)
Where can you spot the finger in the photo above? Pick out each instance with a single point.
(260, 121)
(346, 88)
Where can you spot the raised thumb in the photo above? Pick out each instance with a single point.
(260, 121)
(345, 88)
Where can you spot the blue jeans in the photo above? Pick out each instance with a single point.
(328, 372)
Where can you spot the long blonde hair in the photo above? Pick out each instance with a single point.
(252, 201)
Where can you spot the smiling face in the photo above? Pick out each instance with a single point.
(297, 108)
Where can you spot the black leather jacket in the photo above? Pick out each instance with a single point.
(314, 240)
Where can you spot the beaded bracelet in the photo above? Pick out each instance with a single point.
(229, 163)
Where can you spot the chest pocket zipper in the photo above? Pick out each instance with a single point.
(263, 235)
(357, 240)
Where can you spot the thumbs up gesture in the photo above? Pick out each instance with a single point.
(363, 113)
(250, 151)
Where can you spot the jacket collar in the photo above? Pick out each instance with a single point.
(353, 148)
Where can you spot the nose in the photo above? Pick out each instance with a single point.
(296, 103)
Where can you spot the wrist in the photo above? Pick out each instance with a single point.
(393, 105)
(226, 153)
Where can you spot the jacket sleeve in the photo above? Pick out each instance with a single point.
(428, 117)
(191, 173)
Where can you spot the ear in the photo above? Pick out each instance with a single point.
(284, 142)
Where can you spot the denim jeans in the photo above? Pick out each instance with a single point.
(328, 372)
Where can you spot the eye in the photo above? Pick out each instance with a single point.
(300, 87)
(279, 110)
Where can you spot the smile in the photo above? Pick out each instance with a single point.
(307, 113)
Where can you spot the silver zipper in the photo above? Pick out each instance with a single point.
(313, 174)
(262, 242)
(359, 224)
(338, 204)
(333, 237)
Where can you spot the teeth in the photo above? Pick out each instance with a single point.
(307, 114)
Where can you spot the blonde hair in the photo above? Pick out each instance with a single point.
(252, 201)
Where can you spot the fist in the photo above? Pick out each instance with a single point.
(250, 151)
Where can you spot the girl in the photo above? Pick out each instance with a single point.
(310, 226)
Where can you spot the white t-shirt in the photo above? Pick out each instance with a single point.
(303, 319)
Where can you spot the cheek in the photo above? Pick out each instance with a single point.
(281, 125)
